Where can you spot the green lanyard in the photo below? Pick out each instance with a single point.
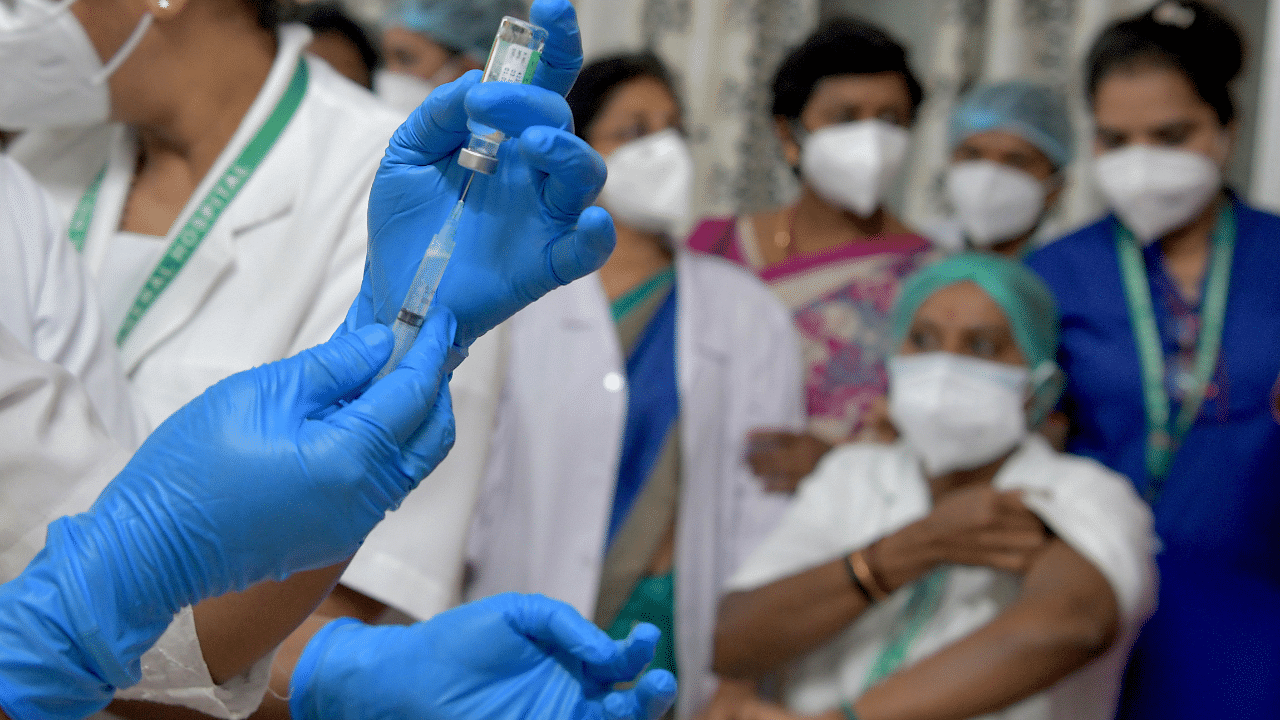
(204, 216)
(925, 598)
(83, 216)
(1163, 435)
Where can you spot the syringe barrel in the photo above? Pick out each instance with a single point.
(516, 50)
(422, 290)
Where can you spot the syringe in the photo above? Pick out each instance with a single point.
(514, 56)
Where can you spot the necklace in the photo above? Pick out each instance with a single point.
(784, 237)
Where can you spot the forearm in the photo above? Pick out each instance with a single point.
(238, 629)
(342, 602)
(1011, 659)
(1065, 617)
(235, 632)
(758, 630)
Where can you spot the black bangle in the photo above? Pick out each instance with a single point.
(857, 584)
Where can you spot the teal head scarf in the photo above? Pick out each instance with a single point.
(1024, 298)
(467, 26)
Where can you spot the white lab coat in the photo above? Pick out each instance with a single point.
(282, 264)
(68, 427)
(275, 276)
(549, 488)
(47, 304)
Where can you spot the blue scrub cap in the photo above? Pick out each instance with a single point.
(1036, 113)
(1020, 293)
(466, 25)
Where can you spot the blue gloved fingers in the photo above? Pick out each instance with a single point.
(331, 370)
(656, 693)
(315, 687)
(562, 56)
(429, 445)
(437, 128)
(555, 625)
(403, 400)
(582, 252)
(574, 173)
(514, 108)
(632, 656)
(651, 697)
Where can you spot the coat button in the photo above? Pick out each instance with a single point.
(613, 382)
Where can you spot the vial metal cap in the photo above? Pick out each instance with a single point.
(473, 160)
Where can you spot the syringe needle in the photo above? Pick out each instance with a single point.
(465, 188)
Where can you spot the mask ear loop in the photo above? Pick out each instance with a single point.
(799, 135)
(1055, 182)
(125, 50)
(1042, 377)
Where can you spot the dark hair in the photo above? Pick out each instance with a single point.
(268, 13)
(598, 81)
(1186, 35)
(842, 46)
(330, 17)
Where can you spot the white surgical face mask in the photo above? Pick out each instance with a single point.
(1155, 190)
(852, 165)
(52, 76)
(994, 202)
(649, 182)
(401, 91)
(957, 412)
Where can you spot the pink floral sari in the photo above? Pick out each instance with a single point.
(840, 299)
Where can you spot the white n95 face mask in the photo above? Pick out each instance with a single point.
(993, 201)
(957, 412)
(852, 165)
(650, 180)
(51, 74)
(401, 91)
(1155, 190)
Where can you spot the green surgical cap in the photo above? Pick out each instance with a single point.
(1035, 113)
(1024, 298)
(466, 25)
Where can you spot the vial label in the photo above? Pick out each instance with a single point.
(517, 63)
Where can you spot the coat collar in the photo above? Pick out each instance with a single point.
(255, 206)
(589, 308)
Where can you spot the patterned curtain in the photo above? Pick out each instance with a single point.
(723, 54)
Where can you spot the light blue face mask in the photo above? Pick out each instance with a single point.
(52, 75)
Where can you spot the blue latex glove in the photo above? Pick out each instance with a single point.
(242, 484)
(507, 657)
(526, 229)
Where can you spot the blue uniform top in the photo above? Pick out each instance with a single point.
(1213, 647)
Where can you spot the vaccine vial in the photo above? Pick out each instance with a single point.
(514, 57)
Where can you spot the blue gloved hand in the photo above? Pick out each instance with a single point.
(507, 657)
(526, 229)
(244, 483)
